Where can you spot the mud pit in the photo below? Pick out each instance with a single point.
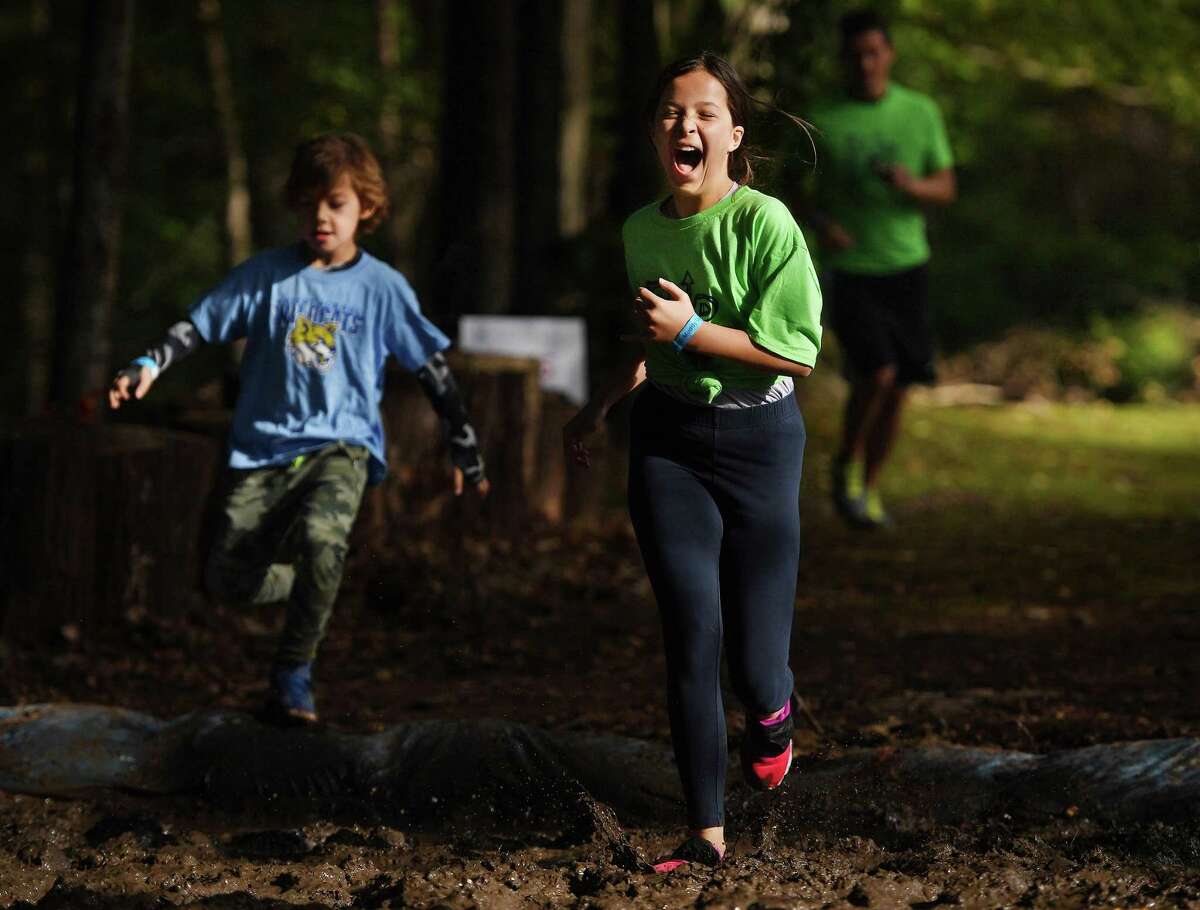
(490, 784)
(561, 636)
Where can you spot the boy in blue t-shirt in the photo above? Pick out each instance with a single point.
(320, 319)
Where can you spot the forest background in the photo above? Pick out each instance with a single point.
(1040, 595)
(152, 140)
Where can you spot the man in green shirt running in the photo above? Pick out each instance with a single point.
(882, 156)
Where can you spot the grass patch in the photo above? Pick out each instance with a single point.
(1016, 510)
(1125, 461)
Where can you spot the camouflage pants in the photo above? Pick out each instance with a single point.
(283, 537)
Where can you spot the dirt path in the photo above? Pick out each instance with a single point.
(979, 625)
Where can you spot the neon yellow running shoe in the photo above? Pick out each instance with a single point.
(848, 488)
(855, 480)
(873, 512)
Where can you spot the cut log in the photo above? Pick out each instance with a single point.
(99, 520)
(437, 775)
(490, 775)
(505, 404)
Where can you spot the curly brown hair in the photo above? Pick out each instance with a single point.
(321, 161)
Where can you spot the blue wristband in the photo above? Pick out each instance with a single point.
(685, 334)
(147, 362)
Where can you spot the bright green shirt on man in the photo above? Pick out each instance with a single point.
(745, 265)
(853, 138)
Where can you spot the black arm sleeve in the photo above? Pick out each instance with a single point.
(439, 385)
(182, 339)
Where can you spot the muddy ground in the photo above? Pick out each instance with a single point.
(979, 623)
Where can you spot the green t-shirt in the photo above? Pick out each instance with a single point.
(745, 265)
(903, 127)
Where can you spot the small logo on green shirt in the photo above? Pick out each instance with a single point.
(705, 305)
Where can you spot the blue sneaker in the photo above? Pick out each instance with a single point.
(291, 694)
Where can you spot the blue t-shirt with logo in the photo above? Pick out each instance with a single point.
(316, 344)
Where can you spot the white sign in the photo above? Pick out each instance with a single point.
(559, 342)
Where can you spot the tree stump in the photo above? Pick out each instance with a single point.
(99, 519)
(505, 405)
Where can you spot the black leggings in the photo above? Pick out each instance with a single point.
(714, 498)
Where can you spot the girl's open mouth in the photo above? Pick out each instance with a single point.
(686, 159)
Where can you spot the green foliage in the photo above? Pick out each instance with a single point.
(1076, 126)
(299, 68)
(1151, 352)
(1157, 351)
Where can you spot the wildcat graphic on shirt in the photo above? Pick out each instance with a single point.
(313, 344)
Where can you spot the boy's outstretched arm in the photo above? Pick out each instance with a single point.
(438, 383)
(181, 340)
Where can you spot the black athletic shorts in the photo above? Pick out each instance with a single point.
(883, 320)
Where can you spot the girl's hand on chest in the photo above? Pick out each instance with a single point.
(661, 314)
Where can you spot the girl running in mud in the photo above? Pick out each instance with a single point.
(729, 310)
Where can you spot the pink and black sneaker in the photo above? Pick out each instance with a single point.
(767, 749)
(695, 851)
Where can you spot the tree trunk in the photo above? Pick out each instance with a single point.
(89, 267)
(387, 16)
(97, 524)
(538, 125)
(576, 46)
(474, 271)
(416, 217)
(637, 177)
(36, 296)
(237, 205)
(387, 46)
